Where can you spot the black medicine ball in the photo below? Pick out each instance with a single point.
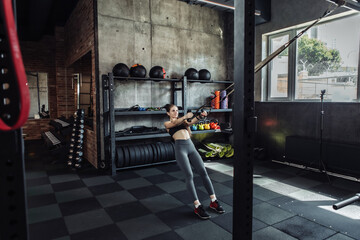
(157, 72)
(138, 70)
(121, 70)
(204, 74)
(192, 73)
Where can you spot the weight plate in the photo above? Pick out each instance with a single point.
(142, 154)
(102, 165)
(165, 152)
(172, 151)
(162, 152)
(137, 155)
(120, 157)
(168, 148)
(126, 156)
(158, 155)
(166, 145)
(154, 149)
(132, 156)
(150, 154)
(165, 158)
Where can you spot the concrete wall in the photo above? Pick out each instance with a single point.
(168, 33)
(287, 13)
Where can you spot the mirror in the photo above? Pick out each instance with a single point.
(83, 92)
(82, 86)
(38, 88)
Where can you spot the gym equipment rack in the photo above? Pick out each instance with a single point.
(110, 112)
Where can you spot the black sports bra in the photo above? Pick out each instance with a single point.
(173, 130)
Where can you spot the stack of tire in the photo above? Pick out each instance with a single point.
(144, 154)
(75, 155)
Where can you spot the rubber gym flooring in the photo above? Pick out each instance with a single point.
(152, 202)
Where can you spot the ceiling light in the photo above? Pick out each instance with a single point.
(257, 12)
(216, 4)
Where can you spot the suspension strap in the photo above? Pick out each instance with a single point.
(14, 90)
(264, 62)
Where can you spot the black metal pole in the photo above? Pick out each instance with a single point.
(13, 223)
(322, 167)
(321, 127)
(38, 91)
(13, 207)
(243, 118)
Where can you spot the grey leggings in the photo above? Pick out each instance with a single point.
(186, 153)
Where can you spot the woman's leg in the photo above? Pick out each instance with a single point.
(181, 155)
(198, 164)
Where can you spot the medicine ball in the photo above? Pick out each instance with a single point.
(204, 74)
(138, 70)
(192, 73)
(157, 72)
(121, 70)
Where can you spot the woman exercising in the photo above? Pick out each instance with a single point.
(186, 153)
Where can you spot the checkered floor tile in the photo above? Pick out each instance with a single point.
(152, 203)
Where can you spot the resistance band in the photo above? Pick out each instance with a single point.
(14, 90)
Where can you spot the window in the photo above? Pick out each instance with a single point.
(325, 57)
(279, 68)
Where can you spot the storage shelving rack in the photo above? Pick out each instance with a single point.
(109, 113)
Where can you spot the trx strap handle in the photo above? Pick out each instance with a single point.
(14, 91)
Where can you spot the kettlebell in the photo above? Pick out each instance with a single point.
(201, 125)
(193, 127)
(207, 125)
(214, 123)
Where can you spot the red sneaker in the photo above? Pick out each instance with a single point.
(201, 212)
(215, 205)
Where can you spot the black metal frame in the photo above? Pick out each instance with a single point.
(322, 167)
(109, 113)
(12, 186)
(244, 117)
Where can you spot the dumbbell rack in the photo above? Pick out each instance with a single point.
(75, 155)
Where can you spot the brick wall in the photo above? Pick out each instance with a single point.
(34, 127)
(79, 40)
(64, 87)
(56, 55)
(79, 32)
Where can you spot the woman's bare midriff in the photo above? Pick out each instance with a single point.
(182, 134)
